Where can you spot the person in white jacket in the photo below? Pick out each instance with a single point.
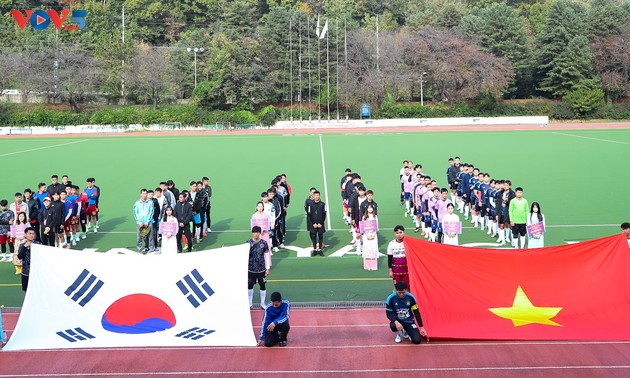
(450, 238)
(535, 215)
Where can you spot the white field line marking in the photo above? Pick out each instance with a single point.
(389, 345)
(325, 372)
(381, 325)
(328, 215)
(591, 138)
(45, 147)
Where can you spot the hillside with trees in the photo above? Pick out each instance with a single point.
(326, 56)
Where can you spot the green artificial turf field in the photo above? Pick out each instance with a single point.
(579, 178)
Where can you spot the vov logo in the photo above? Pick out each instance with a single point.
(40, 19)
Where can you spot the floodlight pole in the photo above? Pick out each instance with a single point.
(422, 88)
(195, 50)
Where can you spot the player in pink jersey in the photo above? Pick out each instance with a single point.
(263, 220)
(418, 190)
(407, 181)
(442, 209)
(426, 214)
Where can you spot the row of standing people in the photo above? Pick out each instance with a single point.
(60, 214)
(360, 212)
(268, 224)
(164, 217)
(493, 204)
(474, 193)
(428, 205)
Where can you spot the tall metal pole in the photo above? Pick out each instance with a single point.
(337, 66)
(195, 68)
(122, 83)
(300, 70)
(308, 43)
(291, 63)
(319, 79)
(195, 51)
(377, 52)
(327, 75)
(421, 92)
(422, 88)
(345, 60)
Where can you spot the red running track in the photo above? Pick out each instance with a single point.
(329, 343)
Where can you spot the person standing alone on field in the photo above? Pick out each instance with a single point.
(316, 215)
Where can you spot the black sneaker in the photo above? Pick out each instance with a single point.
(283, 343)
(319, 252)
(313, 253)
(417, 229)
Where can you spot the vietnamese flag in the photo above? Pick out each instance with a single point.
(572, 292)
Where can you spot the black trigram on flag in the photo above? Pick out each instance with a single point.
(193, 287)
(74, 335)
(84, 288)
(195, 333)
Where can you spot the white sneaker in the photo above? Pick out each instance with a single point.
(405, 334)
(399, 337)
(275, 249)
(84, 235)
(95, 230)
(282, 245)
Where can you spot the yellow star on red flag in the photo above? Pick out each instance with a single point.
(523, 312)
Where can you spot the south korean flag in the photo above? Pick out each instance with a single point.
(80, 299)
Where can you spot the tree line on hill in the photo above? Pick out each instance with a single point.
(258, 52)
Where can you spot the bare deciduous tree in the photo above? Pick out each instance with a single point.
(7, 67)
(612, 62)
(78, 76)
(456, 70)
(149, 75)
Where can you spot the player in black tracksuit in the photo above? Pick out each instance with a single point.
(316, 214)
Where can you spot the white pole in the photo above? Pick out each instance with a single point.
(291, 63)
(377, 67)
(308, 43)
(345, 59)
(300, 71)
(195, 53)
(319, 80)
(337, 67)
(122, 79)
(327, 76)
(421, 92)
(422, 88)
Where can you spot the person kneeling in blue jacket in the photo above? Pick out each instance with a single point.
(275, 324)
